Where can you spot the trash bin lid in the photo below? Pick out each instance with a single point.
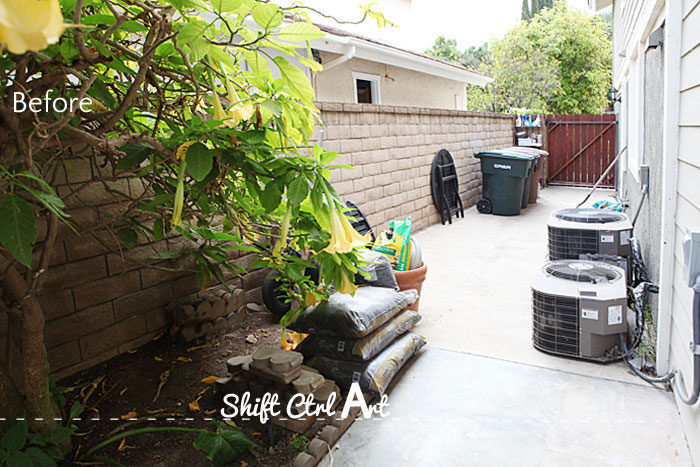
(539, 152)
(505, 154)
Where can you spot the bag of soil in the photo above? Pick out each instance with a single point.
(353, 316)
(359, 349)
(374, 376)
(379, 269)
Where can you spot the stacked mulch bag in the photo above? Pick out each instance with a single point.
(362, 338)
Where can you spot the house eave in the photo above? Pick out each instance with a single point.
(393, 56)
(597, 5)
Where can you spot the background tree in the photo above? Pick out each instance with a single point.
(447, 49)
(475, 56)
(560, 61)
(525, 11)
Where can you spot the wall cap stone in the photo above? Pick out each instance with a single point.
(397, 109)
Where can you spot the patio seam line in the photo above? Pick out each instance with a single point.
(557, 370)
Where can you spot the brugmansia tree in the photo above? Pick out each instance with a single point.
(198, 106)
(559, 61)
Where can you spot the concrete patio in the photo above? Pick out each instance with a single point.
(480, 394)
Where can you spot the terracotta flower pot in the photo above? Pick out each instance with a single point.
(412, 280)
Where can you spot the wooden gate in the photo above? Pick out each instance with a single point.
(580, 148)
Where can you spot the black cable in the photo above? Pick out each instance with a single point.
(650, 379)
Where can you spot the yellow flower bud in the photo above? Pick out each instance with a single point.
(181, 152)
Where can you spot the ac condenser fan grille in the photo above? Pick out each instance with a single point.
(570, 243)
(555, 323)
(590, 216)
(591, 272)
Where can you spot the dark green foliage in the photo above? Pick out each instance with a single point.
(525, 12)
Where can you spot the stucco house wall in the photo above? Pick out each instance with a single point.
(398, 86)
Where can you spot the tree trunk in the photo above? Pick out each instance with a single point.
(39, 404)
(35, 366)
(11, 405)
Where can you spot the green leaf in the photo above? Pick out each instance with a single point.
(271, 196)
(191, 31)
(297, 81)
(15, 437)
(223, 447)
(199, 48)
(258, 64)
(99, 19)
(199, 161)
(76, 410)
(58, 435)
(231, 6)
(127, 236)
(297, 191)
(267, 15)
(273, 106)
(40, 458)
(101, 91)
(135, 154)
(19, 459)
(300, 31)
(118, 65)
(17, 229)
(158, 230)
(219, 55)
(68, 50)
(216, 272)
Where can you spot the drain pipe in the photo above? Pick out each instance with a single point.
(695, 350)
(342, 59)
(645, 192)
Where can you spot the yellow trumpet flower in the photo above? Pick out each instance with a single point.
(237, 110)
(343, 236)
(347, 286)
(219, 113)
(30, 24)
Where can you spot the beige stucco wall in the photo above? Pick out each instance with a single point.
(398, 86)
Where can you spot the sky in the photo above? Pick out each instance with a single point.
(420, 22)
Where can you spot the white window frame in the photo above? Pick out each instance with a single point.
(374, 86)
(635, 114)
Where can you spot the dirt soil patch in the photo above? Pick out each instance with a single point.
(125, 387)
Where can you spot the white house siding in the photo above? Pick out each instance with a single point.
(634, 21)
(687, 209)
(398, 86)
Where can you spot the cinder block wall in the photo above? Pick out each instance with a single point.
(392, 149)
(97, 302)
(98, 306)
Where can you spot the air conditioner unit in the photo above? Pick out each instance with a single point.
(580, 231)
(579, 309)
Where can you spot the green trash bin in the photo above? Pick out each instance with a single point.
(537, 173)
(528, 178)
(504, 174)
